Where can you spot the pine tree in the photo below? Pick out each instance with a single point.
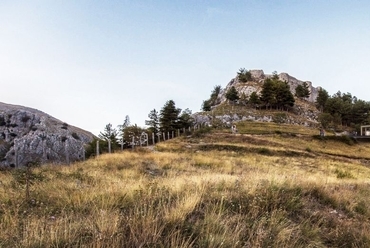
(232, 94)
(244, 75)
(212, 101)
(185, 119)
(153, 121)
(110, 134)
(254, 99)
(206, 106)
(302, 90)
(321, 99)
(122, 129)
(267, 93)
(169, 117)
(283, 96)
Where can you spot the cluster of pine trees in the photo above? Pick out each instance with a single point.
(168, 119)
(342, 109)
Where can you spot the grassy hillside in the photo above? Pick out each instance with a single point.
(268, 186)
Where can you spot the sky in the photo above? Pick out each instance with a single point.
(92, 62)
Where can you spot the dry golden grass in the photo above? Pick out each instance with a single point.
(213, 191)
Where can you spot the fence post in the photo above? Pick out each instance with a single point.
(153, 136)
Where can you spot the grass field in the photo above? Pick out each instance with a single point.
(281, 188)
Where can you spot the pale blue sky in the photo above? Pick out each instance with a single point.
(90, 62)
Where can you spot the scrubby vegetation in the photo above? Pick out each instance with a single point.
(271, 185)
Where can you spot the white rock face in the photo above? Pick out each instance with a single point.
(30, 136)
(258, 78)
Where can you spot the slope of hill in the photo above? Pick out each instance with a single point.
(30, 136)
(270, 185)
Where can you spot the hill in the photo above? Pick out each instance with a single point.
(30, 136)
(270, 185)
(222, 112)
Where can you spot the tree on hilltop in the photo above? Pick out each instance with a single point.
(254, 99)
(302, 90)
(212, 101)
(244, 75)
(232, 94)
(321, 99)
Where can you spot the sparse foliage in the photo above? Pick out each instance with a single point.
(212, 101)
(109, 133)
(244, 75)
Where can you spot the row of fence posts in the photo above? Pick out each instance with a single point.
(133, 143)
(146, 139)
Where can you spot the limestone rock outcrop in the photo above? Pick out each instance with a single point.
(303, 113)
(31, 136)
(258, 77)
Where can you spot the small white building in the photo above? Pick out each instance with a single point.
(365, 130)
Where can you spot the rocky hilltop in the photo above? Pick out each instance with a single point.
(258, 77)
(303, 113)
(31, 136)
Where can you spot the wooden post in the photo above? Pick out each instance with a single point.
(153, 139)
(164, 136)
(173, 134)
(147, 139)
(168, 135)
(178, 132)
(97, 148)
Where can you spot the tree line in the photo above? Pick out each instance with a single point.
(342, 109)
(168, 119)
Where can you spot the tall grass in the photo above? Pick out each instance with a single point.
(183, 196)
